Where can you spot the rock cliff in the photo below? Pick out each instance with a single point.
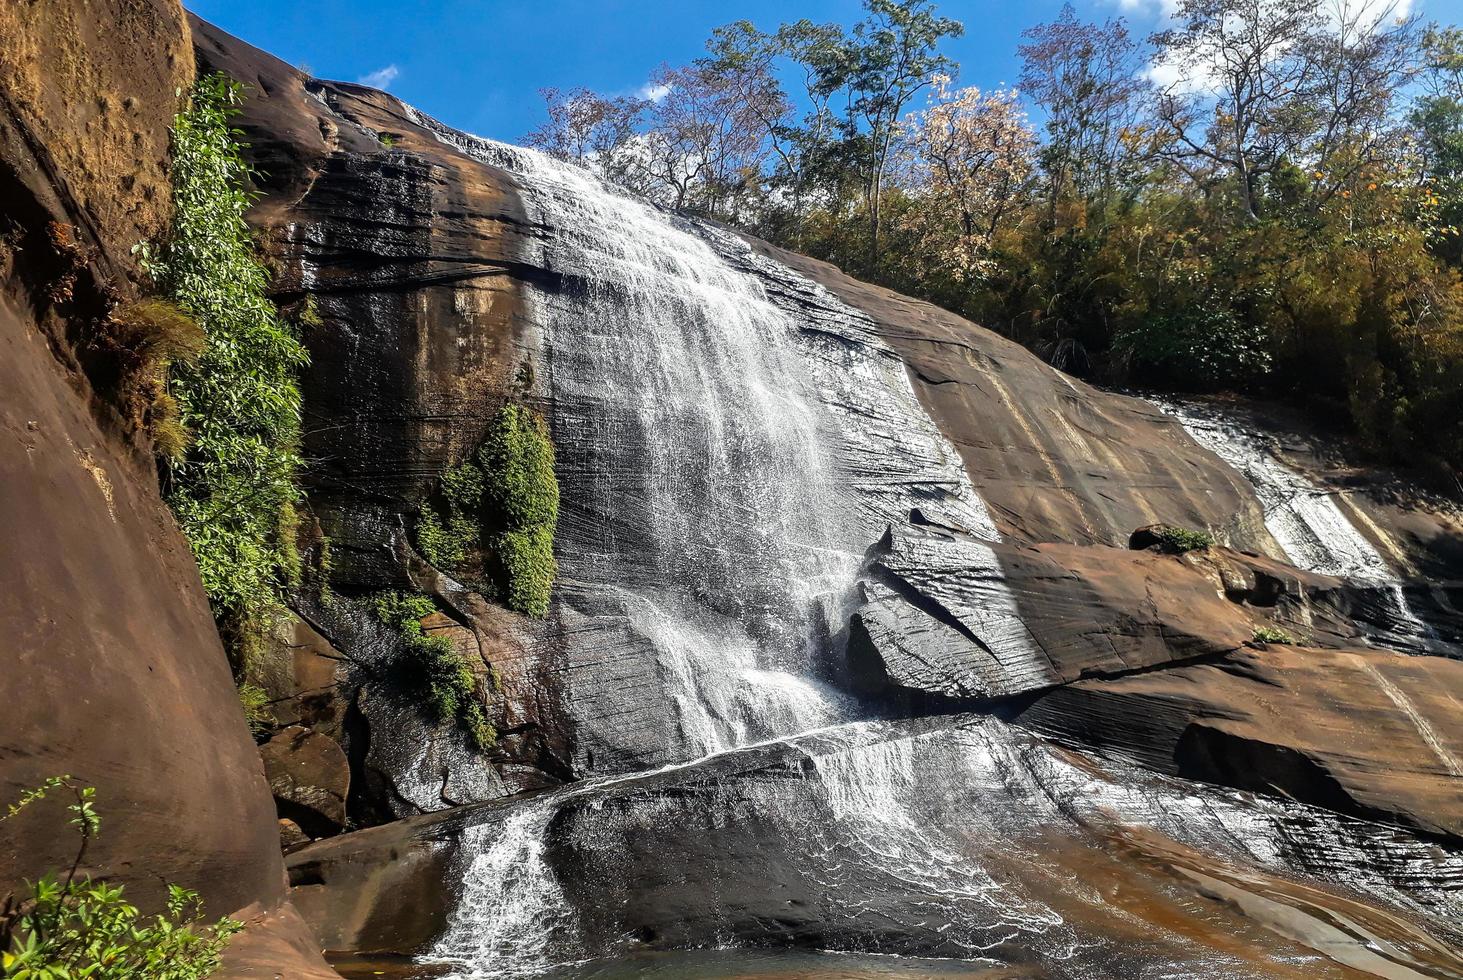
(113, 671)
(795, 500)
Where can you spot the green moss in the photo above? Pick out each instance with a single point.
(442, 549)
(433, 663)
(1271, 634)
(518, 468)
(528, 569)
(521, 500)
(234, 487)
(501, 510)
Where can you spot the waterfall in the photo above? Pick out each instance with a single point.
(701, 526)
(723, 467)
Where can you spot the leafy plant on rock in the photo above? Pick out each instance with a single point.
(433, 662)
(234, 487)
(1180, 540)
(502, 506)
(73, 927)
(1272, 634)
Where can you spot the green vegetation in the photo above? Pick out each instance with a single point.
(433, 663)
(71, 928)
(521, 498)
(255, 702)
(1272, 634)
(233, 477)
(1283, 219)
(502, 507)
(1179, 540)
(387, 139)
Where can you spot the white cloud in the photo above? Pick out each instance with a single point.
(380, 78)
(653, 92)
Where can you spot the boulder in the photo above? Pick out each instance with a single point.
(291, 837)
(310, 778)
(298, 669)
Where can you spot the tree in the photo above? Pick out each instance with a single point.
(588, 129)
(1437, 123)
(1261, 85)
(892, 56)
(1242, 61)
(1087, 80)
(706, 135)
(968, 157)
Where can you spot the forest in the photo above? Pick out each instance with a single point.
(1263, 198)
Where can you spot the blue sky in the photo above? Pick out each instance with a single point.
(478, 64)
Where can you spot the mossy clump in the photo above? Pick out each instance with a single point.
(1273, 634)
(521, 498)
(1180, 540)
(502, 509)
(433, 663)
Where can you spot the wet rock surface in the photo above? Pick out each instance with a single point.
(956, 838)
(1370, 733)
(946, 613)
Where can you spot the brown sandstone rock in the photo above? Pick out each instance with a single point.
(310, 778)
(1370, 733)
(112, 669)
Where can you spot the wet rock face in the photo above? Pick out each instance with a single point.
(1369, 733)
(735, 426)
(959, 838)
(408, 253)
(949, 614)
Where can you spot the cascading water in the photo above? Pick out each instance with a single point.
(725, 456)
(700, 523)
(1302, 517)
(722, 469)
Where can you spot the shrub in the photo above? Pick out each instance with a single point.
(234, 487)
(255, 702)
(1179, 540)
(75, 927)
(432, 662)
(1203, 345)
(1271, 634)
